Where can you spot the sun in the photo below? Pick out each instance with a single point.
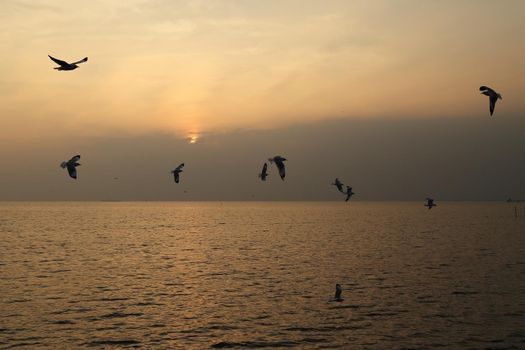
(193, 139)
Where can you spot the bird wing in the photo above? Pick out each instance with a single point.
(179, 168)
(487, 89)
(280, 166)
(265, 168)
(74, 159)
(492, 100)
(59, 62)
(81, 61)
(72, 170)
(176, 176)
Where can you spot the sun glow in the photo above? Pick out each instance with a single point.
(193, 139)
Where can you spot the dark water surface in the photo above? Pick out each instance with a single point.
(261, 275)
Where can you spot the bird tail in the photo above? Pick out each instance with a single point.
(63, 165)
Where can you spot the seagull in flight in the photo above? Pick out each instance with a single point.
(339, 185)
(278, 160)
(264, 172)
(177, 171)
(71, 166)
(338, 292)
(67, 66)
(493, 96)
(430, 203)
(348, 193)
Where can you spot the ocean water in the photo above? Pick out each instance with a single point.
(247, 275)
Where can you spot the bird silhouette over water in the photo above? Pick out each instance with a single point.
(67, 66)
(278, 160)
(177, 171)
(71, 166)
(264, 172)
(348, 193)
(493, 97)
(338, 292)
(339, 185)
(430, 203)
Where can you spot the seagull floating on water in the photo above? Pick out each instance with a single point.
(338, 292)
(278, 160)
(493, 97)
(348, 193)
(177, 171)
(71, 166)
(339, 185)
(264, 172)
(430, 203)
(67, 66)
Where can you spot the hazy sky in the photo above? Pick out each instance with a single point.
(380, 93)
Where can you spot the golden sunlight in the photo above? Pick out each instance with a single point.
(193, 139)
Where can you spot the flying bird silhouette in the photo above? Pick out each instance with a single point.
(67, 66)
(430, 203)
(339, 185)
(264, 172)
(71, 166)
(493, 97)
(278, 160)
(348, 193)
(177, 171)
(338, 292)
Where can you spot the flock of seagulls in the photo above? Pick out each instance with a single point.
(349, 193)
(72, 164)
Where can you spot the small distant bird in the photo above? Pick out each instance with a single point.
(67, 66)
(71, 166)
(493, 96)
(348, 193)
(339, 185)
(338, 292)
(430, 203)
(177, 171)
(278, 160)
(264, 172)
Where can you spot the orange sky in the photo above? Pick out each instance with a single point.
(214, 66)
(383, 94)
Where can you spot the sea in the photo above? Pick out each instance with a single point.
(262, 275)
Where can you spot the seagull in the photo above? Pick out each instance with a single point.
(338, 291)
(67, 66)
(339, 185)
(71, 166)
(348, 193)
(177, 171)
(264, 172)
(280, 165)
(430, 203)
(493, 96)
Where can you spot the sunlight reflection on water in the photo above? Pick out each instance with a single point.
(261, 275)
